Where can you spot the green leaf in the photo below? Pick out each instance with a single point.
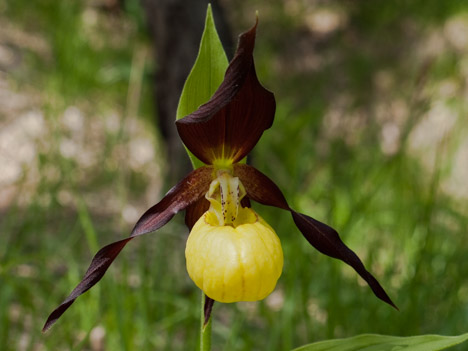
(373, 342)
(206, 75)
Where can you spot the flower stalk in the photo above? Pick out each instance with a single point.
(205, 326)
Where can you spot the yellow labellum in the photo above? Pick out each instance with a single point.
(233, 259)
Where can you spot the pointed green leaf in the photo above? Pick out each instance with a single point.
(206, 75)
(373, 342)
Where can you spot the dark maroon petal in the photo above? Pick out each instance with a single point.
(245, 202)
(324, 238)
(259, 187)
(229, 125)
(186, 192)
(195, 211)
(327, 241)
(207, 307)
(99, 265)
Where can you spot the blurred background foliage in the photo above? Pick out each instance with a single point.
(370, 136)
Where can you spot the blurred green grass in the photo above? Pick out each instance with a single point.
(335, 92)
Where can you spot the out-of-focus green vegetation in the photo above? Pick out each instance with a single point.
(370, 136)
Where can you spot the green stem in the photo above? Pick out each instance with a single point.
(205, 330)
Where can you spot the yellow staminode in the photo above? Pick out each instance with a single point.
(232, 253)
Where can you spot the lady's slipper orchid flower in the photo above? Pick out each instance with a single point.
(232, 253)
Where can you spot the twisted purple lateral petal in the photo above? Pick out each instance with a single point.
(230, 124)
(326, 240)
(186, 192)
(99, 265)
(321, 236)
